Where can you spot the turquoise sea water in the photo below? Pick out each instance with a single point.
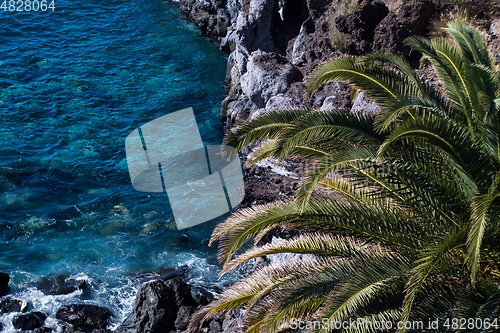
(73, 84)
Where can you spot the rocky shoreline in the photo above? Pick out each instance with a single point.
(165, 303)
(272, 47)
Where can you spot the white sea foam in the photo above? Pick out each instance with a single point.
(119, 294)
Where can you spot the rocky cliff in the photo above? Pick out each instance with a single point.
(273, 45)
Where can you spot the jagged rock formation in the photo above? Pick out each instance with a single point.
(84, 317)
(274, 44)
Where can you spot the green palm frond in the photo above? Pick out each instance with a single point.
(383, 273)
(470, 42)
(328, 165)
(247, 223)
(428, 262)
(340, 126)
(397, 218)
(480, 208)
(268, 126)
(316, 243)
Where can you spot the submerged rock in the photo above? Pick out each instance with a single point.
(85, 316)
(13, 304)
(61, 285)
(4, 283)
(156, 306)
(29, 321)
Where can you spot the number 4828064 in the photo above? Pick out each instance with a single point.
(28, 5)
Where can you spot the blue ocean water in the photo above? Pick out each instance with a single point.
(73, 84)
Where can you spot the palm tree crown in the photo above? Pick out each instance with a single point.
(413, 230)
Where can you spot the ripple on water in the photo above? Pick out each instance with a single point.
(73, 84)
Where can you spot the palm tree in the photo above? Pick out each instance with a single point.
(412, 232)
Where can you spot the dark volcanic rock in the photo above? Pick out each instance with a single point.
(85, 316)
(210, 17)
(412, 18)
(12, 304)
(254, 26)
(333, 96)
(263, 185)
(183, 316)
(318, 7)
(202, 296)
(29, 321)
(236, 111)
(61, 285)
(361, 24)
(156, 306)
(4, 283)
(312, 46)
(279, 232)
(74, 329)
(163, 273)
(42, 330)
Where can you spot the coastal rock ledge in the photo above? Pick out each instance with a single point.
(84, 318)
(166, 305)
(274, 45)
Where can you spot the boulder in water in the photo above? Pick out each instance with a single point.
(4, 283)
(85, 316)
(74, 329)
(156, 306)
(29, 321)
(61, 285)
(12, 304)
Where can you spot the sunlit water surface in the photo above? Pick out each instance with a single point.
(73, 84)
